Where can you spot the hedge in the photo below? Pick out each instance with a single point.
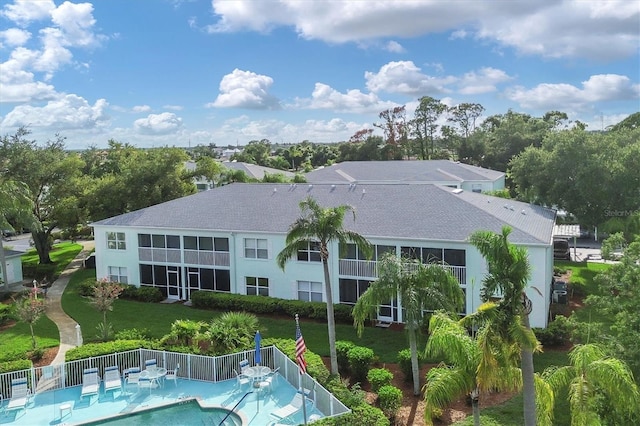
(16, 365)
(97, 349)
(271, 305)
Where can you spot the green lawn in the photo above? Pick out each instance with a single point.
(61, 254)
(582, 279)
(157, 319)
(16, 341)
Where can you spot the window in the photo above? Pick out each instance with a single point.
(311, 253)
(118, 274)
(257, 286)
(351, 290)
(256, 248)
(310, 291)
(116, 241)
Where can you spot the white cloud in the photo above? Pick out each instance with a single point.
(173, 107)
(141, 108)
(482, 81)
(18, 85)
(406, 78)
(593, 29)
(76, 22)
(67, 112)
(14, 37)
(395, 47)
(353, 101)
(158, 124)
(25, 11)
(245, 89)
(599, 88)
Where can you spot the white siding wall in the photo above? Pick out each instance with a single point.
(283, 284)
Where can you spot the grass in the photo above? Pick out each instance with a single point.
(61, 254)
(16, 340)
(157, 319)
(582, 278)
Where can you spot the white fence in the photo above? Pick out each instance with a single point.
(192, 367)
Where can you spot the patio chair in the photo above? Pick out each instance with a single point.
(20, 394)
(173, 375)
(131, 376)
(244, 364)
(150, 364)
(290, 409)
(144, 382)
(241, 379)
(90, 383)
(112, 380)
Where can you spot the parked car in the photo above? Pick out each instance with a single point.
(561, 249)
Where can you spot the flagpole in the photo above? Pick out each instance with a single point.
(299, 355)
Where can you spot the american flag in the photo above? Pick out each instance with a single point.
(300, 350)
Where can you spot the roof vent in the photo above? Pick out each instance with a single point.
(457, 191)
(275, 190)
(333, 187)
(523, 212)
(364, 191)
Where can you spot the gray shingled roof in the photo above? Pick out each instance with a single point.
(402, 211)
(418, 171)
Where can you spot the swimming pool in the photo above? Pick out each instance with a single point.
(182, 413)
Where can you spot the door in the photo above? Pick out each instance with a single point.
(173, 282)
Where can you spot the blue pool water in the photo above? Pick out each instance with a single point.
(188, 413)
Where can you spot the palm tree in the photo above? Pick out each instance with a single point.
(508, 271)
(15, 202)
(470, 365)
(419, 287)
(322, 226)
(590, 375)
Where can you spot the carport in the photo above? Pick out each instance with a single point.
(569, 232)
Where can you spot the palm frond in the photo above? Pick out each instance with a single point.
(443, 386)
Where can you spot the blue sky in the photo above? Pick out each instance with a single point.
(180, 72)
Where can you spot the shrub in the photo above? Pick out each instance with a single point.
(97, 349)
(16, 365)
(389, 400)
(379, 377)
(557, 333)
(142, 294)
(360, 358)
(39, 271)
(85, 288)
(361, 415)
(404, 363)
(315, 365)
(6, 313)
(132, 334)
(342, 350)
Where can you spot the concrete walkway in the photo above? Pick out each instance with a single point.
(66, 325)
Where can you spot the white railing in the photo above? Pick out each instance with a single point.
(369, 269)
(192, 367)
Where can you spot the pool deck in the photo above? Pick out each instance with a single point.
(65, 407)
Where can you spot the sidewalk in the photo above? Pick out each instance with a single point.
(66, 325)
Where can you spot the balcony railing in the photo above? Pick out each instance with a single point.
(369, 269)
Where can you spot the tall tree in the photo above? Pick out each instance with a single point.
(471, 365)
(424, 124)
(508, 272)
(54, 179)
(394, 126)
(420, 287)
(590, 376)
(323, 226)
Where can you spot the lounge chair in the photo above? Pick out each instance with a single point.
(173, 375)
(112, 380)
(90, 383)
(291, 408)
(144, 382)
(20, 394)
